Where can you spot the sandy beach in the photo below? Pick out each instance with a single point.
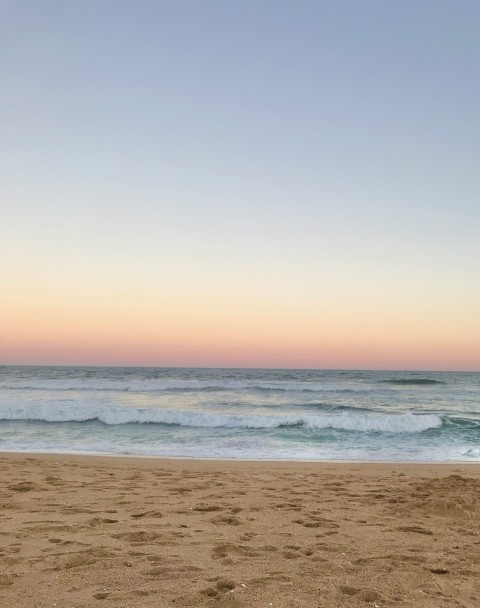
(83, 531)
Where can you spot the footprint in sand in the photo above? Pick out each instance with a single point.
(221, 586)
(54, 481)
(206, 508)
(137, 537)
(226, 519)
(77, 561)
(295, 551)
(224, 585)
(23, 486)
(270, 578)
(6, 580)
(366, 595)
(416, 529)
(268, 548)
(316, 523)
(225, 550)
(96, 521)
(156, 514)
(172, 571)
(157, 558)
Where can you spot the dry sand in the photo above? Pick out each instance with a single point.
(80, 531)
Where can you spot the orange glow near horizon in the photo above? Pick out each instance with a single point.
(174, 332)
(90, 316)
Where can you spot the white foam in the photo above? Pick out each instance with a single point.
(115, 415)
(472, 453)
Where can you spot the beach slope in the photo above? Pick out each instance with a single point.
(84, 532)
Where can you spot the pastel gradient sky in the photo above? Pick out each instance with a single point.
(240, 183)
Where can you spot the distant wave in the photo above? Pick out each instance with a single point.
(172, 386)
(346, 421)
(412, 381)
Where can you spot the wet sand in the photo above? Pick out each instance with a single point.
(91, 531)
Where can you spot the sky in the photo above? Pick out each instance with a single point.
(240, 184)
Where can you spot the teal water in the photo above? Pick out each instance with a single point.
(242, 413)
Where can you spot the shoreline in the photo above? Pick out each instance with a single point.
(143, 532)
(413, 463)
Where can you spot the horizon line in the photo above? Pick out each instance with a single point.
(217, 367)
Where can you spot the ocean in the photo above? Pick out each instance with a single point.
(242, 413)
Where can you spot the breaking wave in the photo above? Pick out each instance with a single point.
(345, 421)
(413, 381)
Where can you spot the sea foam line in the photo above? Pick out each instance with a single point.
(347, 421)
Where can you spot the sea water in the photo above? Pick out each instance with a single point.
(242, 413)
